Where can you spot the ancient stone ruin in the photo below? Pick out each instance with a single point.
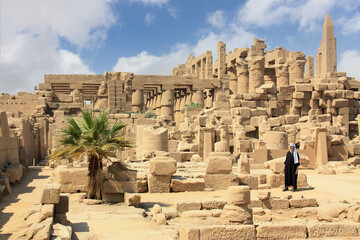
(214, 126)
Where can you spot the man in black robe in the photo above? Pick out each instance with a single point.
(291, 168)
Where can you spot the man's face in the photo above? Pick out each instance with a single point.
(292, 148)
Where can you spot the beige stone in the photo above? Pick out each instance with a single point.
(321, 230)
(223, 232)
(220, 181)
(219, 165)
(303, 202)
(187, 185)
(276, 204)
(162, 166)
(236, 214)
(250, 180)
(283, 231)
(132, 199)
(238, 195)
(182, 206)
(51, 193)
(243, 164)
(158, 184)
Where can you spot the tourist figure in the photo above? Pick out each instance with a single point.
(291, 168)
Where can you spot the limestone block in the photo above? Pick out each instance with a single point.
(158, 184)
(160, 218)
(329, 211)
(320, 86)
(46, 211)
(339, 103)
(297, 103)
(322, 230)
(275, 140)
(303, 87)
(162, 166)
(227, 232)
(220, 181)
(353, 213)
(112, 186)
(276, 165)
(243, 164)
(264, 195)
(187, 185)
(51, 193)
(4, 180)
(238, 195)
(72, 179)
(182, 206)
(197, 214)
(354, 161)
(222, 146)
(189, 233)
(113, 197)
(303, 202)
(283, 231)
(61, 232)
(14, 172)
(132, 199)
(326, 170)
(250, 180)
(275, 180)
(298, 95)
(142, 185)
(302, 181)
(276, 204)
(196, 158)
(218, 165)
(213, 203)
(236, 214)
(63, 206)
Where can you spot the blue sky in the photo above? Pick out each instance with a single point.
(153, 36)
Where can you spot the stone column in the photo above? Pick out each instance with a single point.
(167, 104)
(198, 97)
(177, 111)
(296, 67)
(310, 66)
(256, 72)
(242, 76)
(138, 101)
(182, 106)
(158, 104)
(221, 49)
(233, 79)
(282, 75)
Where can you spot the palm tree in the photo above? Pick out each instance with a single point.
(93, 137)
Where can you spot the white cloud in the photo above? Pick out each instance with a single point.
(30, 38)
(216, 19)
(146, 63)
(352, 25)
(350, 63)
(149, 19)
(173, 11)
(150, 2)
(310, 14)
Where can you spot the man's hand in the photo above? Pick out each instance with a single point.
(296, 171)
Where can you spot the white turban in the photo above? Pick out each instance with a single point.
(296, 159)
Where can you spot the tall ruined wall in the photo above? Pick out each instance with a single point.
(23, 103)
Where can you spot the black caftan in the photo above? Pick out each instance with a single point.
(290, 169)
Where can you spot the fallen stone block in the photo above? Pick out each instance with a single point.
(132, 199)
(5, 181)
(281, 231)
(72, 180)
(219, 165)
(63, 206)
(14, 172)
(111, 186)
(61, 232)
(231, 232)
(183, 206)
(46, 211)
(250, 180)
(197, 214)
(276, 204)
(276, 165)
(187, 185)
(114, 197)
(51, 193)
(303, 202)
(158, 184)
(162, 166)
(213, 203)
(275, 180)
(189, 233)
(220, 181)
(321, 230)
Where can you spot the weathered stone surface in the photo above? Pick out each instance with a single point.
(187, 185)
(51, 193)
(158, 184)
(72, 179)
(213, 203)
(243, 164)
(233, 232)
(160, 218)
(250, 180)
(132, 199)
(281, 231)
(276, 204)
(63, 206)
(303, 202)
(220, 181)
(219, 165)
(182, 206)
(189, 233)
(321, 230)
(46, 211)
(238, 195)
(276, 165)
(197, 214)
(62, 232)
(275, 180)
(111, 186)
(264, 195)
(162, 166)
(236, 214)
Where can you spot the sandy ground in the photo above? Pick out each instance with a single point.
(24, 195)
(117, 221)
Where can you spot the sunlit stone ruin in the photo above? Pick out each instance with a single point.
(210, 142)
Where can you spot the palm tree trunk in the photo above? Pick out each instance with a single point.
(95, 187)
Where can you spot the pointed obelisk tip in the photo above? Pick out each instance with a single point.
(328, 21)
